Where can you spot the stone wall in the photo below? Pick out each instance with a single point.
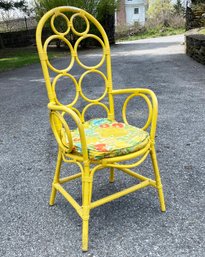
(195, 45)
(195, 41)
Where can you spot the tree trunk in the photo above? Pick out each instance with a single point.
(1, 42)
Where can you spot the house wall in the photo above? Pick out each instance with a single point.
(131, 11)
(121, 15)
(132, 17)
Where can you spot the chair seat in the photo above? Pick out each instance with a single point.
(106, 138)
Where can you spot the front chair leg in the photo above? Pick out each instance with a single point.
(85, 230)
(56, 178)
(85, 225)
(157, 178)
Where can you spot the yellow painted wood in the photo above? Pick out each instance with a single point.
(138, 176)
(69, 198)
(67, 179)
(56, 178)
(119, 194)
(59, 111)
(158, 179)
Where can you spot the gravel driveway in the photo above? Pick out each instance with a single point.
(133, 225)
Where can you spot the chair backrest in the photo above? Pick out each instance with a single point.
(69, 14)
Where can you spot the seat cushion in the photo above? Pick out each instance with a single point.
(106, 138)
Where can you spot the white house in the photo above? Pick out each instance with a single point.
(131, 11)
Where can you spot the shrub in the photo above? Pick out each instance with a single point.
(103, 10)
(127, 30)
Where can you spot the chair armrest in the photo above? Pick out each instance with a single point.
(152, 103)
(59, 111)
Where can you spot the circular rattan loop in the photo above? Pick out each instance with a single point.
(94, 104)
(76, 51)
(71, 51)
(86, 21)
(65, 143)
(149, 105)
(75, 83)
(53, 25)
(80, 85)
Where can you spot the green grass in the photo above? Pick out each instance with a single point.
(151, 33)
(12, 58)
(202, 31)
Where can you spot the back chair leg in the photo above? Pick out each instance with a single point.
(158, 179)
(112, 175)
(56, 178)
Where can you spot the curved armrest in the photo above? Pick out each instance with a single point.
(60, 108)
(153, 105)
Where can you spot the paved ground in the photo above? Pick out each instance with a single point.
(133, 225)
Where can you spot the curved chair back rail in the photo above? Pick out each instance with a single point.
(47, 67)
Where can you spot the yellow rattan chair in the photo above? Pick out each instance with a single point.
(98, 143)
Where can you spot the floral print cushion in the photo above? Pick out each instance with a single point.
(106, 138)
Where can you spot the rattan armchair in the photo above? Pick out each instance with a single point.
(100, 142)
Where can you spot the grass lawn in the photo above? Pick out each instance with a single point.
(11, 58)
(155, 33)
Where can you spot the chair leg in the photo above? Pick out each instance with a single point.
(158, 179)
(87, 195)
(56, 178)
(112, 175)
(85, 228)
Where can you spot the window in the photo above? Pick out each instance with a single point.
(136, 10)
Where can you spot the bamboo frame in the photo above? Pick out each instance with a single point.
(58, 110)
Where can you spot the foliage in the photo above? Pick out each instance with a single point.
(177, 21)
(101, 9)
(124, 31)
(198, 6)
(155, 32)
(6, 5)
(179, 8)
(95, 7)
(162, 13)
(197, 1)
(104, 8)
(161, 9)
(9, 5)
(202, 31)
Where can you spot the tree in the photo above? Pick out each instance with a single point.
(197, 1)
(94, 7)
(179, 8)
(6, 7)
(103, 10)
(9, 5)
(21, 5)
(160, 10)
